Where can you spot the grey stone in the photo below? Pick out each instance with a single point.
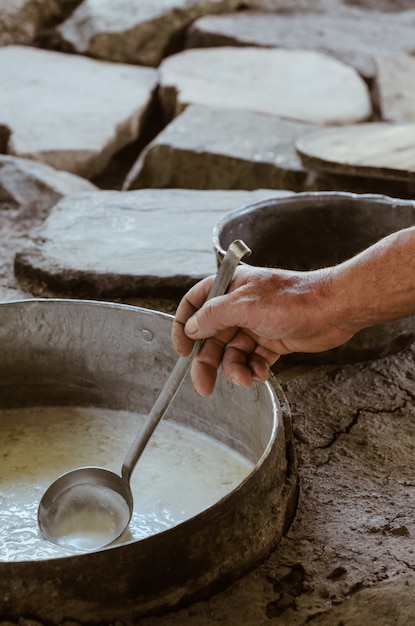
(212, 148)
(28, 191)
(395, 86)
(21, 20)
(293, 6)
(110, 244)
(300, 85)
(135, 32)
(33, 187)
(350, 35)
(290, 6)
(382, 5)
(81, 112)
(378, 150)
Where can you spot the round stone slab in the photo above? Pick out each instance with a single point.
(347, 33)
(145, 243)
(377, 150)
(302, 85)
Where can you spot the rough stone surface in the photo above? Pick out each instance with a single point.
(74, 121)
(110, 244)
(22, 20)
(28, 190)
(395, 86)
(306, 86)
(135, 32)
(350, 35)
(35, 186)
(330, 5)
(212, 148)
(382, 5)
(376, 150)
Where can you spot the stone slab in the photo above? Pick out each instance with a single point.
(289, 6)
(134, 32)
(349, 34)
(34, 187)
(21, 20)
(110, 244)
(300, 85)
(395, 78)
(81, 112)
(213, 148)
(378, 150)
(28, 191)
(381, 5)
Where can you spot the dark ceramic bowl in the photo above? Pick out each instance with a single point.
(311, 230)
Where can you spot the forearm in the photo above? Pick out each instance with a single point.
(378, 285)
(271, 312)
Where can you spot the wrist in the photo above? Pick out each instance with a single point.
(332, 292)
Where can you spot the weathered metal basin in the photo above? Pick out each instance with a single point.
(311, 230)
(80, 353)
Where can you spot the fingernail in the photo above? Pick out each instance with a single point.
(191, 326)
(235, 382)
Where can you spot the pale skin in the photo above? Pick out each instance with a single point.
(269, 312)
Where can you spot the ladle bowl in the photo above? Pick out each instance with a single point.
(86, 508)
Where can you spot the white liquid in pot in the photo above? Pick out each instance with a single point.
(181, 473)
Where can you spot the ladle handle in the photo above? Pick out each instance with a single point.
(234, 254)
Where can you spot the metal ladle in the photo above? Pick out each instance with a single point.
(90, 507)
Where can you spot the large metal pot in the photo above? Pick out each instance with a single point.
(311, 230)
(80, 353)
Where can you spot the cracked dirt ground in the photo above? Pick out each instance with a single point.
(354, 428)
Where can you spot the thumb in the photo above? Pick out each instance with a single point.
(191, 328)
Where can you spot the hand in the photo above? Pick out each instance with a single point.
(266, 313)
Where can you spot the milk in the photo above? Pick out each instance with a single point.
(181, 473)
